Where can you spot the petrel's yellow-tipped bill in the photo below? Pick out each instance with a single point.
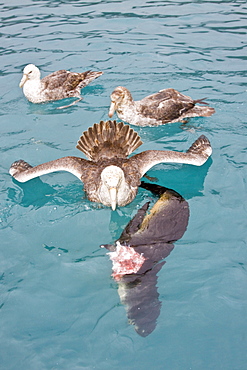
(23, 80)
(112, 109)
(113, 198)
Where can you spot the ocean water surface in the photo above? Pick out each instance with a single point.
(59, 306)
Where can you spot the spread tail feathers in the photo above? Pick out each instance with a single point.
(108, 139)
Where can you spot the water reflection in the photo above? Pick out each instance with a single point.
(150, 237)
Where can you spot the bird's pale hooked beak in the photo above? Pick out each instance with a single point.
(112, 109)
(23, 80)
(113, 197)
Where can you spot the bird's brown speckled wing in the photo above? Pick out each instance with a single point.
(55, 79)
(166, 105)
(80, 80)
(69, 81)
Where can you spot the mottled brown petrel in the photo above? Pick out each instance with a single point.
(56, 86)
(110, 177)
(165, 106)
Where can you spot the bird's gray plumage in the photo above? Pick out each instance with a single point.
(57, 85)
(165, 106)
(109, 176)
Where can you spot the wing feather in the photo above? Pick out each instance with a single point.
(196, 155)
(23, 171)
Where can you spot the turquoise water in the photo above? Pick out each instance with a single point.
(60, 308)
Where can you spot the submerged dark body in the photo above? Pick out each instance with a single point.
(151, 235)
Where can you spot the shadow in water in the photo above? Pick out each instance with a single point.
(37, 193)
(139, 253)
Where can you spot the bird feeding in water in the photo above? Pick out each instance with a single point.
(109, 176)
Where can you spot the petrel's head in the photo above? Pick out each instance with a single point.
(120, 96)
(112, 180)
(30, 72)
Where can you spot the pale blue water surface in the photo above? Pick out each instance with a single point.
(60, 307)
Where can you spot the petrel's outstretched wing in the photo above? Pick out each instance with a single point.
(196, 155)
(23, 171)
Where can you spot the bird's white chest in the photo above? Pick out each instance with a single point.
(33, 91)
(132, 115)
(129, 114)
